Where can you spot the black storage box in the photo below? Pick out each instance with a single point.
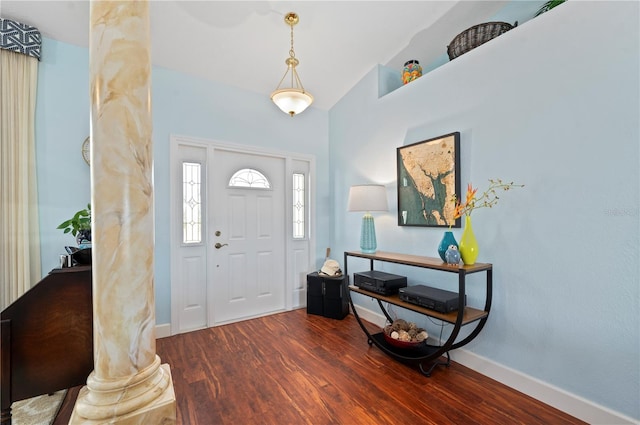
(327, 296)
(379, 282)
(432, 298)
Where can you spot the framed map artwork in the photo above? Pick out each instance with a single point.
(428, 178)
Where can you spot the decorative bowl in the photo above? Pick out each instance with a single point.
(403, 344)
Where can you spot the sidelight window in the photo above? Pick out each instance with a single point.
(299, 208)
(191, 203)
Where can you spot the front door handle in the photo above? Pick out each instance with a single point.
(219, 245)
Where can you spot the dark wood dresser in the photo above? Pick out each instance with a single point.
(47, 338)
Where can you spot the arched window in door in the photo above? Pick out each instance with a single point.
(248, 177)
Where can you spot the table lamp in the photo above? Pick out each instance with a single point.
(367, 198)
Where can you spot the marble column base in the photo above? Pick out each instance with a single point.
(161, 410)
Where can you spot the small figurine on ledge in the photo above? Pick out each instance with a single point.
(452, 256)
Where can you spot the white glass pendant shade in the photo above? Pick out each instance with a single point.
(291, 101)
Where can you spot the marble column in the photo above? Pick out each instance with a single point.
(128, 384)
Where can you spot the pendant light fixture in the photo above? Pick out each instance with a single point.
(294, 99)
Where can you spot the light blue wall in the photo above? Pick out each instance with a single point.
(62, 124)
(553, 104)
(182, 105)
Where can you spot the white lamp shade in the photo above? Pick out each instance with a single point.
(291, 101)
(368, 197)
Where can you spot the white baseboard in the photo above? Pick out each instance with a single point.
(558, 398)
(163, 331)
(371, 316)
(565, 401)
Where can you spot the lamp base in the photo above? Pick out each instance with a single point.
(368, 243)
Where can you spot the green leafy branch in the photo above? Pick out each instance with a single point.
(79, 222)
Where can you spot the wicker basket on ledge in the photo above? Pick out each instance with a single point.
(475, 36)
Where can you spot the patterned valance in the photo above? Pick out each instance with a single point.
(20, 38)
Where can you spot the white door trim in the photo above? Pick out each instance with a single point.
(293, 296)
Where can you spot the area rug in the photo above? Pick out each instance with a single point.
(39, 410)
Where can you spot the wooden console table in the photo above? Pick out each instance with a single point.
(427, 354)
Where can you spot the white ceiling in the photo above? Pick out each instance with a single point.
(245, 43)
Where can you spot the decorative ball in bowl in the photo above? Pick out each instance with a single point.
(405, 334)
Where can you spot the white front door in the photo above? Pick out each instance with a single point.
(261, 262)
(248, 228)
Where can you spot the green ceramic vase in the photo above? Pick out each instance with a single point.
(468, 243)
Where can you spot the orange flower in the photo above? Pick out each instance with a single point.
(457, 212)
(471, 193)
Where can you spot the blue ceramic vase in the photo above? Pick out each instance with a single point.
(447, 240)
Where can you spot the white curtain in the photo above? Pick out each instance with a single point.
(19, 227)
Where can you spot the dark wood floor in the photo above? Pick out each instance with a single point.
(294, 368)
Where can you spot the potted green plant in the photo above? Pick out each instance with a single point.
(79, 226)
(548, 6)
